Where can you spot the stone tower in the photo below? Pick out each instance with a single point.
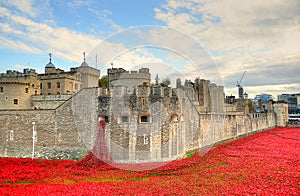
(90, 75)
(132, 79)
(16, 89)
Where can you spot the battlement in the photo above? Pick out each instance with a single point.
(121, 70)
(16, 77)
(17, 74)
(117, 73)
(131, 79)
(87, 70)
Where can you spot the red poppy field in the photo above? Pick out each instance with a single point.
(266, 163)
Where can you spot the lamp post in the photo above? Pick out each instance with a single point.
(33, 138)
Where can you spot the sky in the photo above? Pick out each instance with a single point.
(215, 39)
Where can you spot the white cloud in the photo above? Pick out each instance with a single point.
(24, 6)
(18, 45)
(27, 35)
(6, 28)
(21, 67)
(257, 36)
(31, 8)
(154, 45)
(78, 3)
(250, 35)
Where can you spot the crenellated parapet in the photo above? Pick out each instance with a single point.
(131, 79)
(16, 89)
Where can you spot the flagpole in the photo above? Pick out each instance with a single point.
(96, 61)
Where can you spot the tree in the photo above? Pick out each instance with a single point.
(165, 82)
(251, 106)
(103, 82)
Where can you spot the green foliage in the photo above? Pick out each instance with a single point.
(140, 179)
(251, 106)
(190, 155)
(103, 82)
(165, 82)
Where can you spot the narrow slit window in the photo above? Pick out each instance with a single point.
(58, 85)
(146, 139)
(11, 135)
(16, 101)
(145, 119)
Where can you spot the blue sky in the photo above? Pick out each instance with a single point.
(260, 37)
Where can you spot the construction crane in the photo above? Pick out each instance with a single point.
(240, 88)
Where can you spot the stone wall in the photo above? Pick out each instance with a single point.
(57, 135)
(48, 101)
(169, 116)
(219, 127)
(176, 127)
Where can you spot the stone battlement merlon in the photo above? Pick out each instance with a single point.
(18, 79)
(115, 70)
(121, 70)
(14, 73)
(134, 75)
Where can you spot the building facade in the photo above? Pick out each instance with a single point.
(144, 122)
(16, 89)
(293, 101)
(30, 90)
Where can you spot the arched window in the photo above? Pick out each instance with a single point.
(174, 118)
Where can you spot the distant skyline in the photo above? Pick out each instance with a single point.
(260, 37)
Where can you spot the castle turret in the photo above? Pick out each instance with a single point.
(178, 83)
(132, 79)
(90, 75)
(16, 89)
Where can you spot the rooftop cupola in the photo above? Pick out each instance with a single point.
(50, 64)
(84, 63)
